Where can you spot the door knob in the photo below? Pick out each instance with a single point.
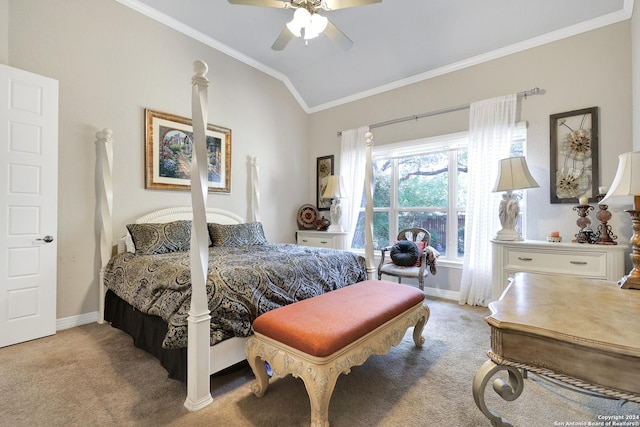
(46, 239)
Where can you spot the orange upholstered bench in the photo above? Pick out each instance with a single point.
(322, 337)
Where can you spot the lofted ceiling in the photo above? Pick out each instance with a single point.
(395, 42)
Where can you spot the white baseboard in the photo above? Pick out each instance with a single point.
(442, 293)
(73, 321)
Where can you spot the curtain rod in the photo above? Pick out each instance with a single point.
(534, 91)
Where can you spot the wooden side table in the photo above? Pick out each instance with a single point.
(579, 331)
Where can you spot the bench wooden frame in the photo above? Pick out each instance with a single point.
(320, 374)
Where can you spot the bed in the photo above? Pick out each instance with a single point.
(149, 288)
(210, 347)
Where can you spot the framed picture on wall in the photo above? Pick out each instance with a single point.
(574, 155)
(324, 168)
(169, 140)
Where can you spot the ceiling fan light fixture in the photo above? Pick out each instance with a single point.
(307, 25)
(294, 27)
(310, 34)
(302, 17)
(318, 23)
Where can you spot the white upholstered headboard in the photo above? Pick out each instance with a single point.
(214, 215)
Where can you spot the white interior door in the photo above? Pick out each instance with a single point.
(28, 205)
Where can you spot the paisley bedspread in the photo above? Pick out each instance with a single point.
(243, 282)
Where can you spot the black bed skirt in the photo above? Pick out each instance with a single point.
(147, 333)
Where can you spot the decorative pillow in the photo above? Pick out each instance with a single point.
(247, 234)
(405, 253)
(420, 246)
(161, 238)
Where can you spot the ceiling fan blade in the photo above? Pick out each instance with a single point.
(337, 36)
(343, 4)
(282, 40)
(264, 3)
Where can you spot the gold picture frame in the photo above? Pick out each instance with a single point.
(168, 141)
(574, 156)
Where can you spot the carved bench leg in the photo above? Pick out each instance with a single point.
(320, 382)
(259, 386)
(418, 339)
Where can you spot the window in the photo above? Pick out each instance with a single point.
(423, 183)
(413, 184)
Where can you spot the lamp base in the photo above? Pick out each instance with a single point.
(508, 235)
(335, 213)
(632, 280)
(335, 228)
(508, 214)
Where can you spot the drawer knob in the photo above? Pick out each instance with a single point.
(578, 262)
(521, 258)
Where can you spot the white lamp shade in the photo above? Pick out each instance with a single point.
(335, 188)
(627, 179)
(513, 174)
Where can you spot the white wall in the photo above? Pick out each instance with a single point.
(591, 69)
(111, 63)
(635, 56)
(4, 32)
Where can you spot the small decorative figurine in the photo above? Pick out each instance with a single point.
(322, 224)
(586, 234)
(604, 234)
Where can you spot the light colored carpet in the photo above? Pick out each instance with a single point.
(93, 376)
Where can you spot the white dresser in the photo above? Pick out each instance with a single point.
(322, 239)
(604, 262)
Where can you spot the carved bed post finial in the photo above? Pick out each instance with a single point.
(200, 68)
(105, 171)
(199, 320)
(368, 216)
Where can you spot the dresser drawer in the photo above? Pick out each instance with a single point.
(321, 239)
(316, 242)
(588, 264)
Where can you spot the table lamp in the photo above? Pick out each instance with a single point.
(513, 174)
(334, 191)
(627, 183)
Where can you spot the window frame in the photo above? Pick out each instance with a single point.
(451, 143)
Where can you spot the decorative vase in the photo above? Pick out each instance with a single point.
(322, 224)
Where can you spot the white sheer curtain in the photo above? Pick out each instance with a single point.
(491, 124)
(352, 169)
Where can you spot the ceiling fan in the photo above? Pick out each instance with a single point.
(307, 23)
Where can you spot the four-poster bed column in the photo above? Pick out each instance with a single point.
(255, 199)
(368, 214)
(198, 386)
(105, 164)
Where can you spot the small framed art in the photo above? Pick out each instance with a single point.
(324, 168)
(168, 147)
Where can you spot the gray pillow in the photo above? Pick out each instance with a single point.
(150, 239)
(246, 234)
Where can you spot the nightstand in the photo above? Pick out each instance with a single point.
(603, 262)
(322, 239)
